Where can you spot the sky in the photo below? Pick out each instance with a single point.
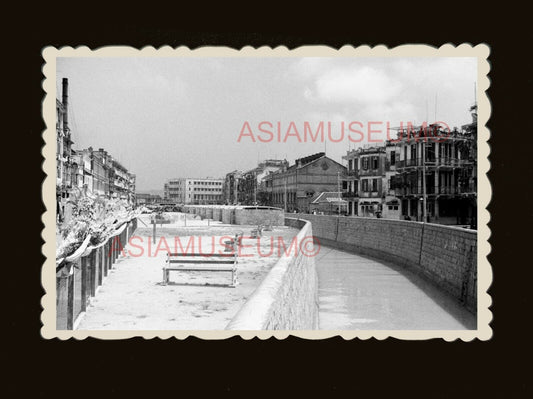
(201, 117)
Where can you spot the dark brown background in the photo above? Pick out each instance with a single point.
(362, 368)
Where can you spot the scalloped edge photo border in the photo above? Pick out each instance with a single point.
(484, 278)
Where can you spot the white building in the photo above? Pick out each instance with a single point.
(186, 190)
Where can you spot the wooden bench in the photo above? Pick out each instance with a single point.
(180, 262)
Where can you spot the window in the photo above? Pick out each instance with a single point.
(375, 162)
(374, 184)
(365, 163)
(393, 158)
(364, 185)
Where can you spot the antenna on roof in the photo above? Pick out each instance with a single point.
(435, 121)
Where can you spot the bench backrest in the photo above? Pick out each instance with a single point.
(199, 258)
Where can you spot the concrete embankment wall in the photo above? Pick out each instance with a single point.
(228, 215)
(241, 215)
(445, 255)
(272, 217)
(287, 299)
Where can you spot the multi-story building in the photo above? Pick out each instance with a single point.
(250, 189)
(99, 173)
(63, 144)
(194, 190)
(388, 180)
(101, 166)
(294, 188)
(367, 181)
(446, 163)
(230, 188)
(121, 182)
(81, 170)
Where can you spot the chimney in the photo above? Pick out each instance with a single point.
(65, 104)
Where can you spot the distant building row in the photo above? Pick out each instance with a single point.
(423, 164)
(93, 170)
(392, 180)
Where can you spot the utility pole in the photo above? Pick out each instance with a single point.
(338, 193)
(424, 209)
(255, 189)
(435, 121)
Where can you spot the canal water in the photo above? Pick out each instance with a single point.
(361, 293)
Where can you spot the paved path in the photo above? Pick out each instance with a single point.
(359, 293)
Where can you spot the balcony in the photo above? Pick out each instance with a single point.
(434, 162)
(371, 172)
(350, 194)
(431, 190)
(370, 194)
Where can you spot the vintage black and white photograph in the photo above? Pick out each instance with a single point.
(313, 192)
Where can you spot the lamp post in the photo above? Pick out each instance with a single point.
(424, 205)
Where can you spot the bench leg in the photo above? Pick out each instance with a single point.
(234, 281)
(165, 276)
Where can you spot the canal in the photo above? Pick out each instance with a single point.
(361, 293)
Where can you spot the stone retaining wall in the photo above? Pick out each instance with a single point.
(287, 299)
(240, 215)
(445, 255)
(258, 216)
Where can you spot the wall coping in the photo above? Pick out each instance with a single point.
(384, 220)
(254, 314)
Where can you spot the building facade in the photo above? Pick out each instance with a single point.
(366, 181)
(195, 191)
(295, 187)
(422, 164)
(251, 191)
(440, 167)
(94, 172)
(121, 182)
(101, 167)
(63, 145)
(230, 188)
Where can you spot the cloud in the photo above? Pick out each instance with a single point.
(361, 85)
(308, 67)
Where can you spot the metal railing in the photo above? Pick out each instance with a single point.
(431, 190)
(350, 194)
(446, 161)
(370, 194)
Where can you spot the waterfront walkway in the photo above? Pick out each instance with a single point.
(360, 293)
